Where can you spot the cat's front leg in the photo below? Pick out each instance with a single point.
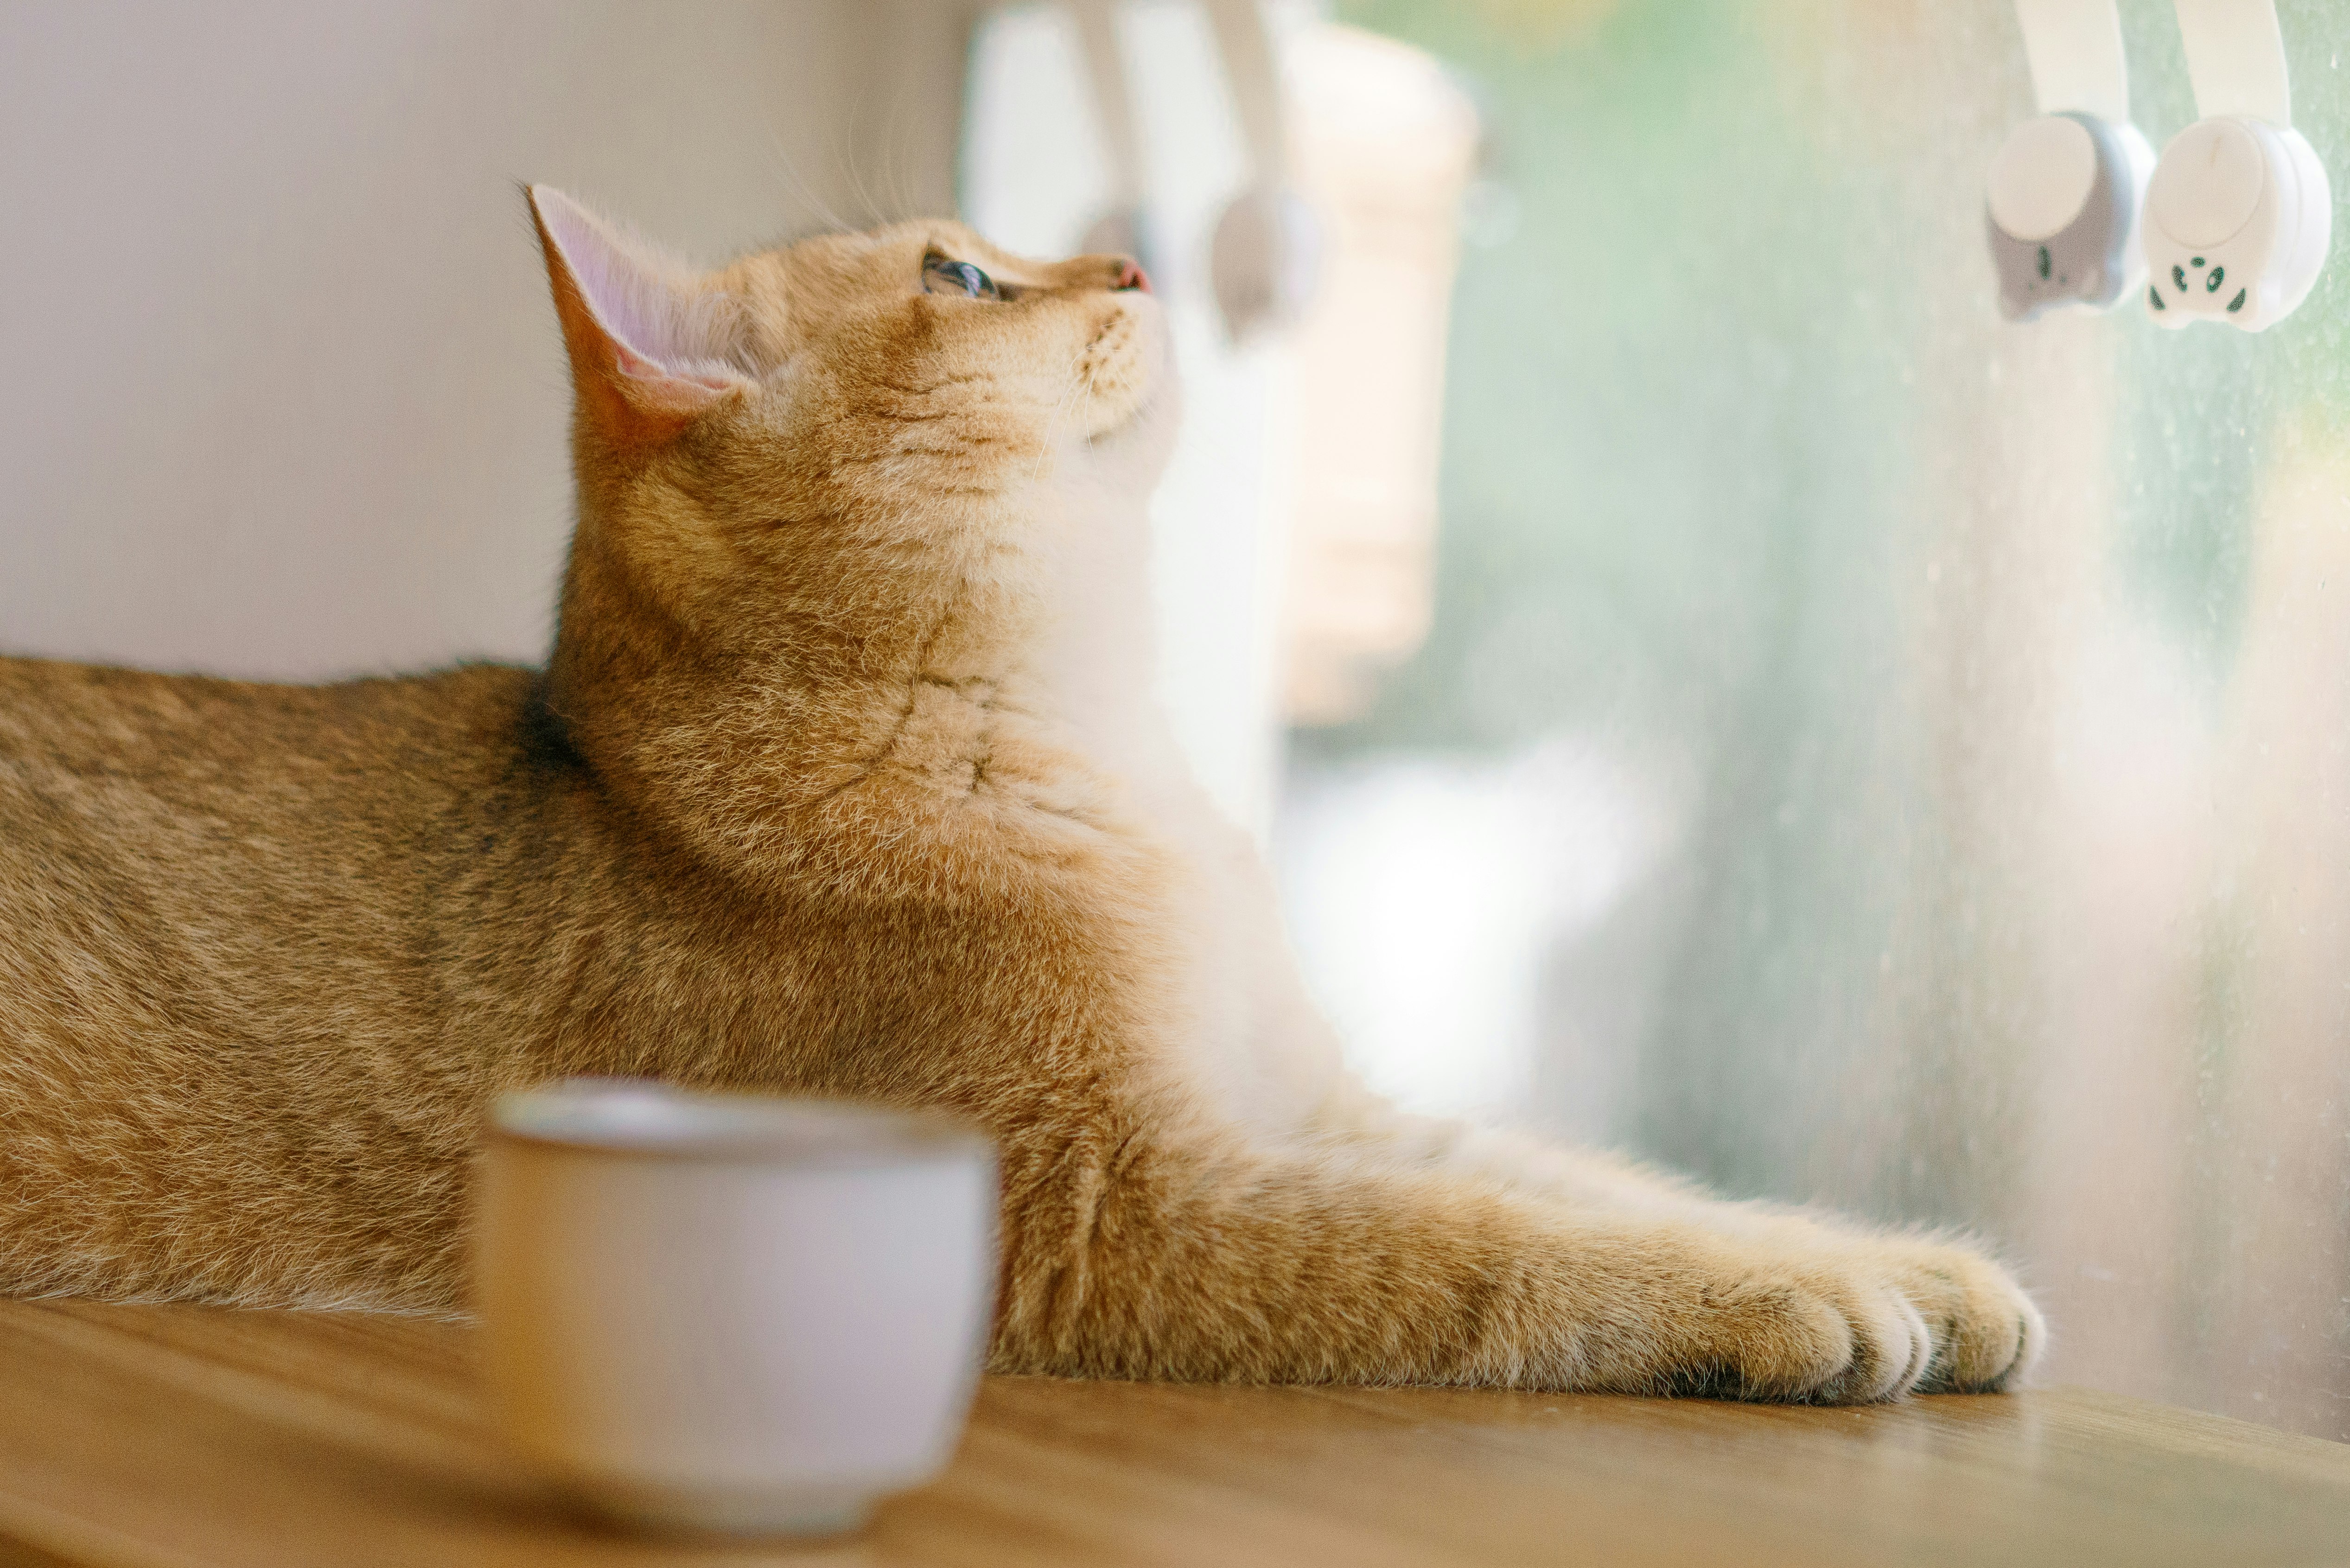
(1987, 1332)
(1211, 1262)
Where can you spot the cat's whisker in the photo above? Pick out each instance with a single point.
(798, 188)
(846, 160)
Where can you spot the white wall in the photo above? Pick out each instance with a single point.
(283, 396)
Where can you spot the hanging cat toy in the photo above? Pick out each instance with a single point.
(2230, 225)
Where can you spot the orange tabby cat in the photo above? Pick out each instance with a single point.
(842, 779)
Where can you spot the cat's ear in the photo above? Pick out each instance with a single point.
(646, 351)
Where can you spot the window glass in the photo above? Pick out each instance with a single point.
(1863, 749)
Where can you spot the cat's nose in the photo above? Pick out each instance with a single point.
(1132, 275)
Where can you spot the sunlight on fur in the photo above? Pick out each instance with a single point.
(843, 779)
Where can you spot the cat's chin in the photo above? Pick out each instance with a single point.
(1136, 447)
(1144, 439)
(1160, 405)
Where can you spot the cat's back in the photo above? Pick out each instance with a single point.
(224, 966)
(193, 736)
(151, 822)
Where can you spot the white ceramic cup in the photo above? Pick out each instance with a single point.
(732, 1312)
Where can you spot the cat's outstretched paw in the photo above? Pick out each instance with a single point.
(1825, 1318)
(1987, 1334)
(1809, 1329)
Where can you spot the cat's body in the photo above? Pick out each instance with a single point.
(843, 779)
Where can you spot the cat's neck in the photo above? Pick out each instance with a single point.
(727, 708)
(1097, 653)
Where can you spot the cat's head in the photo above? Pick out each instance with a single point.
(845, 428)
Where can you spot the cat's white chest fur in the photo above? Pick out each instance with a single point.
(1254, 1048)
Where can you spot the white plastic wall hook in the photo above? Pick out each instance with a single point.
(2241, 214)
(1267, 246)
(1264, 259)
(2064, 194)
(1125, 229)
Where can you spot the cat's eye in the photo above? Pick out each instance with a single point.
(943, 274)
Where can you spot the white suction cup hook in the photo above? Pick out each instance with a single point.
(1267, 246)
(1263, 260)
(1125, 229)
(2061, 200)
(2241, 214)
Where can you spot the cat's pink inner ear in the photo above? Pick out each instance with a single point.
(631, 327)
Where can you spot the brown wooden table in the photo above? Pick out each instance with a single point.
(178, 1436)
